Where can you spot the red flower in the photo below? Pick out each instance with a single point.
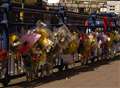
(105, 23)
(3, 55)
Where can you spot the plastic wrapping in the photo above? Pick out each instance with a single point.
(31, 38)
(63, 36)
(46, 38)
(73, 44)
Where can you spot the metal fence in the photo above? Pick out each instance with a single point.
(12, 68)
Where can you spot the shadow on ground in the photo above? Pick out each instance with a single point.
(62, 75)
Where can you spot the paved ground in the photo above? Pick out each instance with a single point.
(105, 75)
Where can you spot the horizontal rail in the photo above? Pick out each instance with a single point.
(46, 11)
(69, 24)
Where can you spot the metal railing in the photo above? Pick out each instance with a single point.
(12, 68)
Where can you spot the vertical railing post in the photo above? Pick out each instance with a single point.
(5, 4)
(22, 16)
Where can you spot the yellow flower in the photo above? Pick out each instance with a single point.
(13, 37)
(43, 32)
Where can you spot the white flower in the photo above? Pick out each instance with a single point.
(108, 39)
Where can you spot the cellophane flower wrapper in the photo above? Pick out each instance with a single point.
(64, 36)
(72, 46)
(87, 46)
(46, 37)
(14, 43)
(43, 58)
(112, 37)
(67, 58)
(45, 42)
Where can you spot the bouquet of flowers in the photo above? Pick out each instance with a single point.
(14, 44)
(74, 44)
(72, 47)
